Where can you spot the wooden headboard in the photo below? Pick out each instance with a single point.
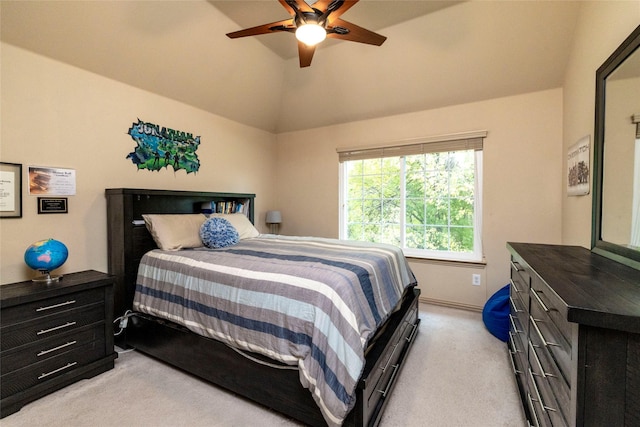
(128, 238)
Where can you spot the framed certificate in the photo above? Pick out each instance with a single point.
(10, 190)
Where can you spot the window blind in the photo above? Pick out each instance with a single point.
(435, 144)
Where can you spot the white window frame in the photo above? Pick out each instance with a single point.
(476, 255)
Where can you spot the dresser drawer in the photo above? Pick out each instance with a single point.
(544, 335)
(544, 368)
(40, 350)
(546, 300)
(384, 374)
(48, 326)
(54, 305)
(53, 367)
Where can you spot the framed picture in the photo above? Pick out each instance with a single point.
(10, 190)
(49, 205)
(578, 167)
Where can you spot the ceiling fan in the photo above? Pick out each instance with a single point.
(312, 24)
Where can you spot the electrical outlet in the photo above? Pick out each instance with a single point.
(475, 279)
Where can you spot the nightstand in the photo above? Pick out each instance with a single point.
(53, 335)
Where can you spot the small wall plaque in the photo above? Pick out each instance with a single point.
(50, 205)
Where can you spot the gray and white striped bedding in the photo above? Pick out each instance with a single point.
(308, 302)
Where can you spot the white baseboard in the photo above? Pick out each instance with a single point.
(452, 304)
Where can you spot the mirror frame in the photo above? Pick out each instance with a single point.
(610, 250)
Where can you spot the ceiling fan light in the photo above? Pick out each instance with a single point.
(311, 34)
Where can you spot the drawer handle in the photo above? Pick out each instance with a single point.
(391, 381)
(545, 342)
(533, 411)
(535, 356)
(390, 357)
(67, 366)
(512, 343)
(513, 304)
(516, 266)
(62, 304)
(513, 363)
(537, 297)
(413, 333)
(514, 287)
(513, 324)
(535, 388)
(46, 331)
(43, 352)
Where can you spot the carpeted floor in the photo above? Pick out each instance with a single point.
(457, 374)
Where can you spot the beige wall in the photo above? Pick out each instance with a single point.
(60, 116)
(601, 27)
(522, 176)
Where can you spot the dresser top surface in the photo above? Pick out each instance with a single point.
(596, 290)
(27, 291)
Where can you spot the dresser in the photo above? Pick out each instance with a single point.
(52, 335)
(574, 337)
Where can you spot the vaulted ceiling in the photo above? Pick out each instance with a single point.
(437, 53)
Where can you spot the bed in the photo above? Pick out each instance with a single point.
(265, 376)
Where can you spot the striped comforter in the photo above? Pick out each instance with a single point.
(308, 302)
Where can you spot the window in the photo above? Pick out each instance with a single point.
(424, 196)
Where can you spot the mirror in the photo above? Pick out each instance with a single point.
(616, 189)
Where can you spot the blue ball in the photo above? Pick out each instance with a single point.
(46, 255)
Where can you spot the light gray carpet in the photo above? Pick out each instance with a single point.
(456, 375)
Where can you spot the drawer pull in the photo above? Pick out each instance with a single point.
(544, 341)
(391, 380)
(390, 357)
(535, 388)
(512, 343)
(535, 356)
(513, 324)
(513, 363)
(67, 366)
(514, 287)
(62, 304)
(513, 305)
(536, 422)
(516, 266)
(413, 333)
(43, 352)
(46, 331)
(537, 297)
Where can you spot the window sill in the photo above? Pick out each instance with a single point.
(452, 262)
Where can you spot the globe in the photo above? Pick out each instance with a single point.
(45, 256)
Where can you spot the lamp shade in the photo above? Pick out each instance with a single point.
(311, 34)
(273, 217)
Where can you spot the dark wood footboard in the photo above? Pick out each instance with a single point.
(280, 389)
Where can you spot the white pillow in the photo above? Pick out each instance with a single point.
(241, 223)
(175, 231)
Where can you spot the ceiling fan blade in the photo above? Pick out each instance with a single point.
(354, 33)
(332, 9)
(285, 25)
(305, 54)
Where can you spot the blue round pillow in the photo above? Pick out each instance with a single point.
(495, 314)
(218, 233)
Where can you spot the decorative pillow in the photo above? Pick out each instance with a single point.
(241, 223)
(218, 233)
(175, 231)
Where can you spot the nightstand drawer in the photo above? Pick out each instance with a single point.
(28, 332)
(23, 356)
(38, 373)
(51, 306)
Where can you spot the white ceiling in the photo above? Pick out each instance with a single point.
(436, 54)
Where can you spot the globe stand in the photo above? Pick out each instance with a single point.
(46, 277)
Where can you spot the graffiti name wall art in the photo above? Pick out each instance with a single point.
(160, 147)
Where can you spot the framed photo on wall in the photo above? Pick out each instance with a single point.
(578, 170)
(10, 190)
